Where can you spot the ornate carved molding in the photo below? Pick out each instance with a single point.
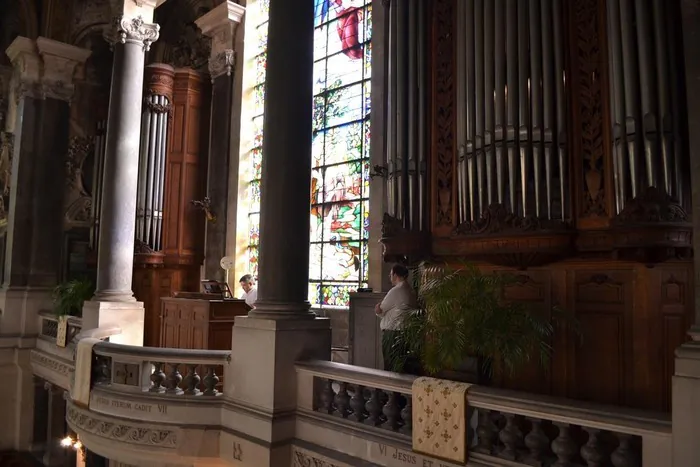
(497, 220)
(400, 244)
(133, 30)
(82, 420)
(78, 199)
(443, 110)
(39, 358)
(588, 98)
(160, 80)
(653, 205)
(7, 144)
(222, 63)
(157, 108)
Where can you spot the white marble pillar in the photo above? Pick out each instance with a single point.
(131, 35)
(686, 379)
(281, 329)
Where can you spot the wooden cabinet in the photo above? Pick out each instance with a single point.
(187, 323)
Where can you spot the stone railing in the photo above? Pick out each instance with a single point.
(506, 427)
(48, 326)
(174, 372)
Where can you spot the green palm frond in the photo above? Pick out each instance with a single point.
(465, 314)
(68, 297)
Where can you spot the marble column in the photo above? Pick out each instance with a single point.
(114, 302)
(221, 24)
(38, 117)
(281, 329)
(686, 379)
(286, 168)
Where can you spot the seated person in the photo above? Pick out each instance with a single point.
(250, 293)
(400, 300)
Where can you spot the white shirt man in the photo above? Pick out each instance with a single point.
(250, 292)
(397, 302)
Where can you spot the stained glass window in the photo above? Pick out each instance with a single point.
(339, 217)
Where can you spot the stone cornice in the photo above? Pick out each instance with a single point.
(132, 30)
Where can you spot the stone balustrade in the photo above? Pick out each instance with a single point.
(48, 326)
(172, 372)
(506, 427)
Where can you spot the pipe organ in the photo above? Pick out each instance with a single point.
(546, 137)
(511, 109)
(99, 141)
(645, 103)
(154, 136)
(406, 153)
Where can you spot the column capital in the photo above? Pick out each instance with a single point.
(45, 67)
(132, 29)
(220, 24)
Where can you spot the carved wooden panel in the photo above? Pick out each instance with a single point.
(590, 137)
(185, 169)
(443, 121)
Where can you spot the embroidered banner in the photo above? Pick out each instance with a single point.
(440, 418)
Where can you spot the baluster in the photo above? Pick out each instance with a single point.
(537, 443)
(392, 411)
(511, 437)
(407, 416)
(192, 381)
(102, 370)
(374, 407)
(357, 404)
(625, 455)
(486, 432)
(564, 446)
(210, 382)
(174, 380)
(157, 378)
(327, 396)
(592, 452)
(342, 400)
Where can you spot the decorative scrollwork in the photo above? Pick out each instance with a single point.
(222, 63)
(134, 30)
(653, 205)
(391, 226)
(205, 205)
(497, 219)
(157, 108)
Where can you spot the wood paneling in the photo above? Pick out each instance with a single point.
(178, 265)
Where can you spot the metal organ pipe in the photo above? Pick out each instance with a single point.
(406, 107)
(514, 110)
(156, 111)
(643, 84)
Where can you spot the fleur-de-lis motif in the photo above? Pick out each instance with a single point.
(445, 414)
(446, 436)
(446, 392)
(428, 432)
(429, 389)
(428, 411)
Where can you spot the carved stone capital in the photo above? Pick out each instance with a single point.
(223, 62)
(133, 30)
(221, 24)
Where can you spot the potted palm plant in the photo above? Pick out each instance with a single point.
(465, 326)
(68, 299)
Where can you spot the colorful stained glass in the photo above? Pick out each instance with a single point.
(344, 143)
(254, 196)
(253, 261)
(344, 104)
(339, 217)
(253, 229)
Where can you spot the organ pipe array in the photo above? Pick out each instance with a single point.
(154, 134)
(511, 109)
(406, 150)
(97, 180)
(645, 101)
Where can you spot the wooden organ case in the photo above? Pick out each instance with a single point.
(546, 139)
(169, 230)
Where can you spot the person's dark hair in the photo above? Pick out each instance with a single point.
(400, 270)
(246, 278)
